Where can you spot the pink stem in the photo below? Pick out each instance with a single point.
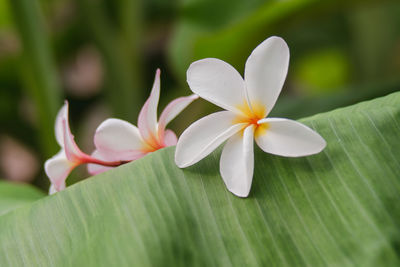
(89, 159)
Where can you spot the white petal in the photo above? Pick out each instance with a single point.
(217, 82)
(62, 115)
(266, 70)
(289, 138)
(237, 162)
(118, 136)
(147, 121)
(52, 189)
(57, 169)
(170, 138)
(203, 136)
(94, 169)
(172, 110)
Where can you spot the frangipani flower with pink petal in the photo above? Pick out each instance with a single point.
(247, 102)
(118, 140)
(59, 166)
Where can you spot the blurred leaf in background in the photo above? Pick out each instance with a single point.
(323, 36)
(322, 72)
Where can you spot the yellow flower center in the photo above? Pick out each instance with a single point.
(151, 144)
(251, 116)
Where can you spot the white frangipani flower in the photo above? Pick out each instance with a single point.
(247, 103)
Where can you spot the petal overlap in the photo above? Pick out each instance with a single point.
(237, 162)
(203, 136)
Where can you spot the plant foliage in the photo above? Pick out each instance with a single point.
(339, 207)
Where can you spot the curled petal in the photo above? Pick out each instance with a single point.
(172, 110)
(94, 169)
(59, 128)
(119, 140)
(266, 70)
(203, 136)
(147, 121)
(57, 169)
(217, 82)
(288, 138)
(237, 162)
(170, 138)
(72, 151)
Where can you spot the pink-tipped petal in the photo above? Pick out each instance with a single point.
(217, 82)
(94, 169)
(147, 121)
(266, 70)
(237, 162)
(172, 110)
(62, 115)
(57, 169)
(170, 138)
(203, 136)
(119, 139)
(289, 138)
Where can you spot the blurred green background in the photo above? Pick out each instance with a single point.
(101, 55)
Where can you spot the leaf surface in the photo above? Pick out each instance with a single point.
(337, 208)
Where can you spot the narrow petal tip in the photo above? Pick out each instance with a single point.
(323, 144)
(179, 161)
(52, 190)
(61, 115)
(181, 164)
(240, 194)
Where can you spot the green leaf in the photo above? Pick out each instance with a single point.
(14, 195)
(337, 208)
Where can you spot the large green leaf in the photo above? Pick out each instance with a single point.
(337, 208)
